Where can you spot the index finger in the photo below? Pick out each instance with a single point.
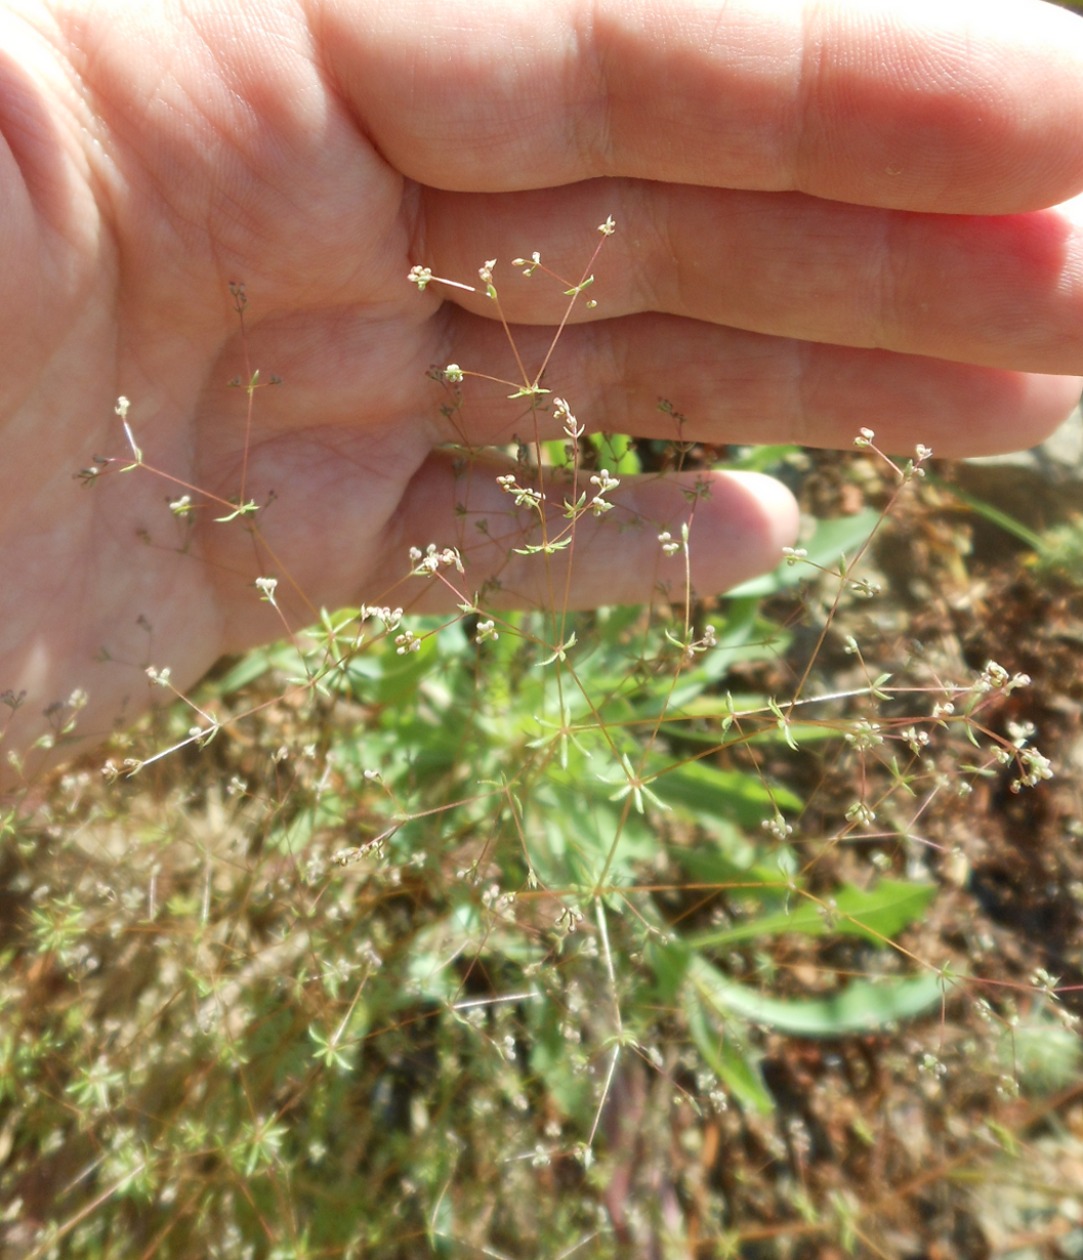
(935, 105)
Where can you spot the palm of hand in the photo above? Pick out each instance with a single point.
(158, 220)
(143, 179)
(167, 213)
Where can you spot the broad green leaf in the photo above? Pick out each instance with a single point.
(877, 914)
(700, 788)
(860, 1006)
(728, 860)
(282, 657)
(725, 1052)
(723, 1047)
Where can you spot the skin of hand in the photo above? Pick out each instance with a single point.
(828, 216)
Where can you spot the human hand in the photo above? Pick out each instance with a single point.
(828, 216)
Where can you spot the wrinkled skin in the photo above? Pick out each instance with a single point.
(828, 216)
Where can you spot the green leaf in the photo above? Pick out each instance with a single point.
(578, 837)
(859, 1007)
(699, 788)
(724, 1048)
(727, 1055)
(246, 669)
(725, 858)
(877, 914)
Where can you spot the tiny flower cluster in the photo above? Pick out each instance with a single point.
(692, 648)
(427, 562)
(916, 740)
(423, 277)
(603, 484)
(778, 827)
(864, 735)
(922, 454)
(406, 641)
(563, 413)
(995, 677)
(528, 267)
(391, 617)
(524, 496)
(1036, 767)
(861, 814)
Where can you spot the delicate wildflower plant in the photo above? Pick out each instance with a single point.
(491, 871)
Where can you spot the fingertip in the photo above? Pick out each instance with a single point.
(1051, 400)
(778, 507)
(671, 535)
(740, 529)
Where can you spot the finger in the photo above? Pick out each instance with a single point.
(628, 553)
(950, 105)
(1005, 291)
(731, 386)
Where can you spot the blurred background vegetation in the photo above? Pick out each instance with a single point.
(606, 936)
